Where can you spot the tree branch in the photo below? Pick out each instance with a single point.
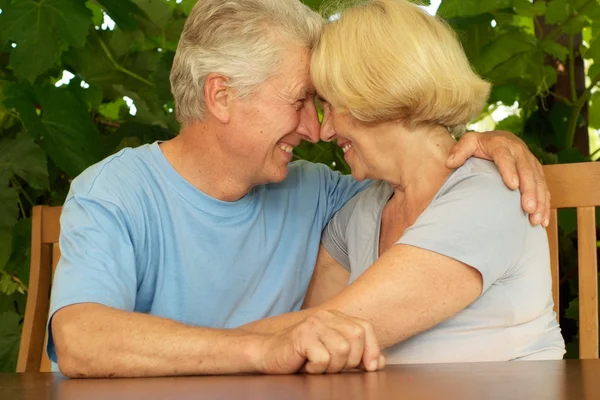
(577, 106)
(20, 190)
(572, 69)
(119, 67)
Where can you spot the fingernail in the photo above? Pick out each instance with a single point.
(531, 204)
(381, 362)
(373, 365)
(515, 181)
(546, 223)
(537, 218)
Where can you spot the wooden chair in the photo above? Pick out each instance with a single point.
(578, 186)
(45, 254)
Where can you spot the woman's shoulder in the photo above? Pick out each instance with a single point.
(478, 177)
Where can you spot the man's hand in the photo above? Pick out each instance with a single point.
(325, 342)
(518, 167)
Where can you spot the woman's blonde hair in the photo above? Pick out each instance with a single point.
(241, 39)
(386, 60)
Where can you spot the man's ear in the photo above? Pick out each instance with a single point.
(217, 96)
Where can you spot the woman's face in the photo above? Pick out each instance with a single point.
(366, 148)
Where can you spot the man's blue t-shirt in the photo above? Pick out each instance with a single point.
(138, 237)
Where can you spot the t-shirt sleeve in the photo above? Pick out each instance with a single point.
(334, 237)
(477, 221)
(97, 263)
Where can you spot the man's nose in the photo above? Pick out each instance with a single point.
(309, 123)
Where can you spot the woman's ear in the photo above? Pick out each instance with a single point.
(217, 95)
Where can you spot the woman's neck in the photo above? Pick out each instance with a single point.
(420, 169)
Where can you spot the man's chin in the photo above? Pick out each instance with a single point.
(278, 175)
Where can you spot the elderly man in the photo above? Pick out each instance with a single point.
(169, 247)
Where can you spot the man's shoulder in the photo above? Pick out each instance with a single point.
(121, 171)
(303, 169)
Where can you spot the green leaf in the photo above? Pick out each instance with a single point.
(8, 285)
(467, 8)
(133, 134)
(507, 94)
(314, 4)
(10, 337)
(504, 49)
(512, 123)
(72, 19)
(557, 11)
(187, 5)
(572, 312)
(123, 42)
(64, 127)
(5, 246)
(91, 96)
(161, 78)
(114, 110)
(555, 49)
(575, 25)
(594, 111)
(26, 23)
(22, 157)
(528, 9)
(15, 303)
(158, 12)
(559, 120)
(18, 263)
(38, 29)
(8, 202)
(97, 13)
(474, 33)
(125, 13)
(571, 155)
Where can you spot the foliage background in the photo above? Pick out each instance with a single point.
(76, 86)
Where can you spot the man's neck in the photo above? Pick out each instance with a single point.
(197, 156)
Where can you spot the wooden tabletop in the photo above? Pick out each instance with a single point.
(531, 380)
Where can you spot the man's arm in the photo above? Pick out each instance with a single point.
(97, 341)
(328, 279)
(519, 168)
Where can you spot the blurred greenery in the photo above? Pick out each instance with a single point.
(80, 80)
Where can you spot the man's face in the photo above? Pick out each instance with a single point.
(274, 120)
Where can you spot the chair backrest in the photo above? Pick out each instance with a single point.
(45, 254)
(578, 186)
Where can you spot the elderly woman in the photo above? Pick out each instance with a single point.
(444, 263)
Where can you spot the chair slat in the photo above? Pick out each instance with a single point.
(574, 185)
(588, 283)
(43, 237)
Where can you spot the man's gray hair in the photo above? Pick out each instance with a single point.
(241, 39)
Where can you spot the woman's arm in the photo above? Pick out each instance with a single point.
(329, 278)
(406, 291)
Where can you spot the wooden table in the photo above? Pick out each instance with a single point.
(531, 380)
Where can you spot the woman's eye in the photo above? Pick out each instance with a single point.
(299, 105)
